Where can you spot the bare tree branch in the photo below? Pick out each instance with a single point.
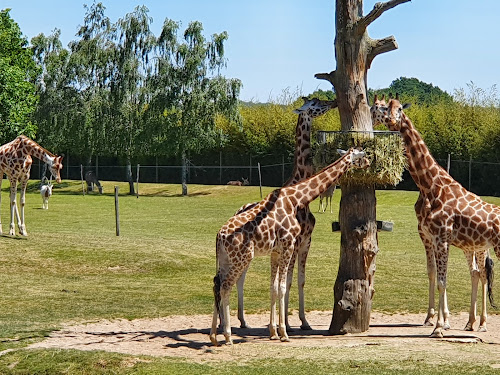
(376, 12)
(380, 46)
(330, 77)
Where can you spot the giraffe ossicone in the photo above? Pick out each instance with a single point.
(447, 214)
(270, 228)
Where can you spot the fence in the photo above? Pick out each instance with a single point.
(482, 178)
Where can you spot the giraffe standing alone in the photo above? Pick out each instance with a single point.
(302, 168)
(447, 215)
(15, 162)
(270, 227)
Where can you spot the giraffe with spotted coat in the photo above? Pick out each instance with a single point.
(15, 162)
(270, 227)
(447, 215)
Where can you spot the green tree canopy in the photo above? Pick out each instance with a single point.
(17, 73)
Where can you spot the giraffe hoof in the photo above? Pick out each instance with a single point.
(446, 326)
(274, 337)
(306, 327)
(482, 329)
(469, 327)
(214, 341)
(244, 325)
(437, 334)
(428, 323)
(285, 339)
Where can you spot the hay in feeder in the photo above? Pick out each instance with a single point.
(384, 149)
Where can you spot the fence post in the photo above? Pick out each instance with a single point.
(81, 175)
(220, 168)
(470, 170)
(117, 212)
(448, 164)
(137, 183)
(260, 180)
(282, 170)
(156, 170)
(250, 171)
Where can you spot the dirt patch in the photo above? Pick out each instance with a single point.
(401, 335)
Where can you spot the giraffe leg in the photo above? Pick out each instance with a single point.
(289, 279)
(22, 227)
(13, 207)
(302, 258)
(441, 255)
(241, 310)
(283, 270)
(474, 277)
(273, 334)
(421, 212)
(481, 260)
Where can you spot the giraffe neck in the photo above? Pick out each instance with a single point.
(302, 163)
(36, 150)
(421, 164)
(308, 190)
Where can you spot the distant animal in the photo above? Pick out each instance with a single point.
(46, 192)
(91, 180)
(243, 182)
(327, 197)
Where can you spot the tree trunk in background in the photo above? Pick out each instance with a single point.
(354, 52)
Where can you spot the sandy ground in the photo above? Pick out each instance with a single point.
(187, 337)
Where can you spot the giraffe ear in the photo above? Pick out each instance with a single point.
(341, 152)
(406, 105)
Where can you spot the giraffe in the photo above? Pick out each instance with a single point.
(15, 162)
(270, 228)
(302, 168)
(447, 215)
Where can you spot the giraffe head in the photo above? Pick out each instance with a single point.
(391, 114)
(374, 109)
(315, 107)
(358, 158)
(55, 168)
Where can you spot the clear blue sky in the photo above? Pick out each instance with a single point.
(278, 44)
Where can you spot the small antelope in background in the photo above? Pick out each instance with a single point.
(327, 197)
(91, 180)
(243, 182)
(46, 192)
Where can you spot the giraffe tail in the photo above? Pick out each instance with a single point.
(489, 275)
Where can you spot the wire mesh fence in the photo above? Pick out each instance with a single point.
(482, 178)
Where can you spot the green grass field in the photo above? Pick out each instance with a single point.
(72, 267)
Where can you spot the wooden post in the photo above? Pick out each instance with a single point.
(354, 53)
(117, 212)
(137, 183)
(220, 168)
(67, 165)
(81, 175)
(448, 164)
(260, 180)
(156, 170)
(97, 166)
(250, 171)
(470, 171)
(282, 170)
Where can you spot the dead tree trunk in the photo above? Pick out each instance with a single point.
(354, 52)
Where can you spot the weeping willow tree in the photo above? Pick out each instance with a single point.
(354, 52)
(190, 92)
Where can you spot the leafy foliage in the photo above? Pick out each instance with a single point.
(17, 71)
